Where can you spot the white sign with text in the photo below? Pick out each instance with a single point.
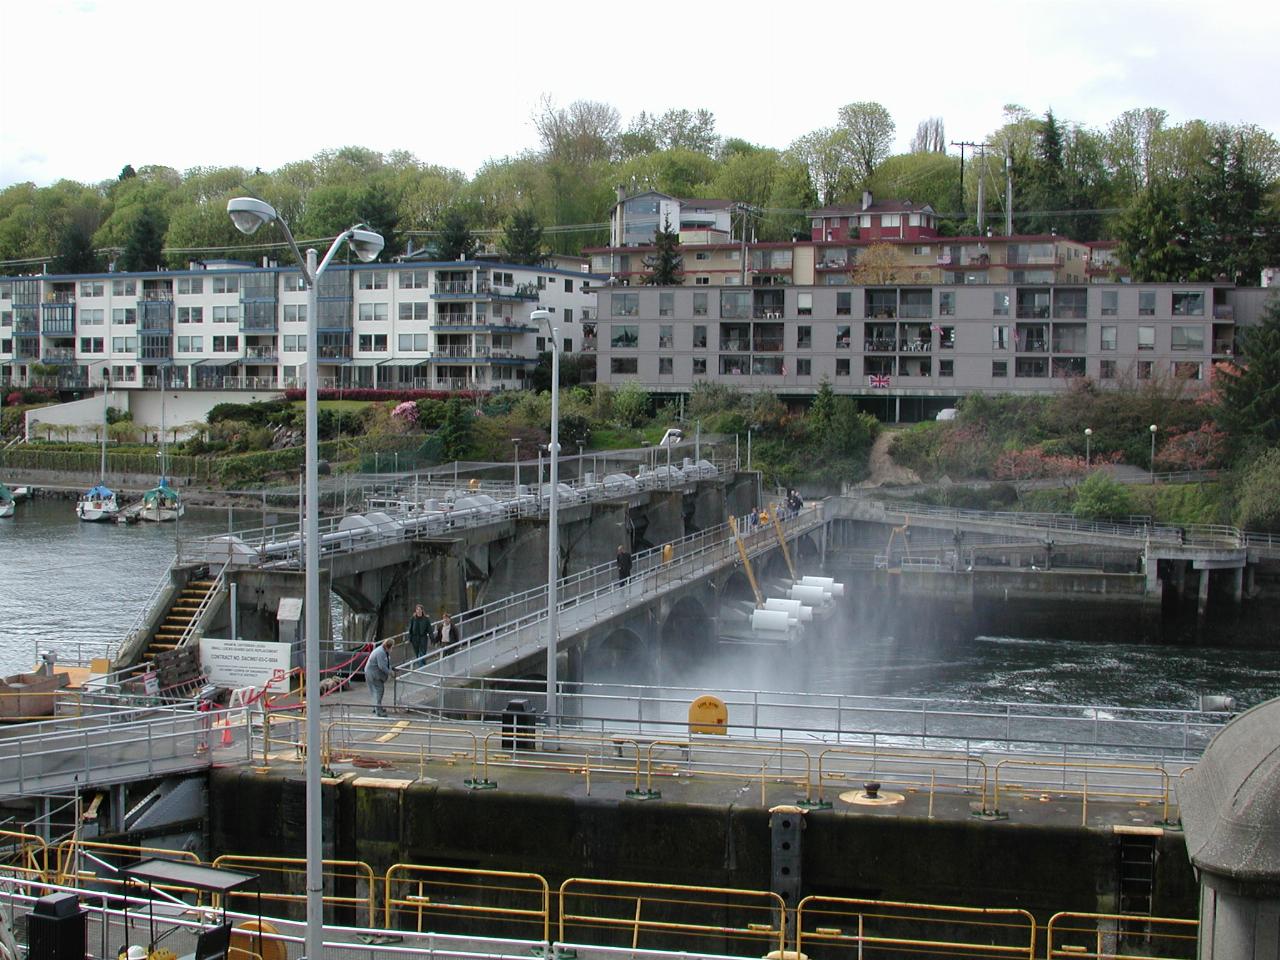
(244, 663)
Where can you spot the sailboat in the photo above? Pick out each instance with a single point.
(99, 503)
(161, 504)
(6, 502)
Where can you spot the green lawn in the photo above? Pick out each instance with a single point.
(344, 405)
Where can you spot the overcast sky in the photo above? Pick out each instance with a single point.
(87, 86)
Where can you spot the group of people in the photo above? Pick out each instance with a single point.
(423, 636)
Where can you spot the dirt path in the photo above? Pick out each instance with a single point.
(883, 469)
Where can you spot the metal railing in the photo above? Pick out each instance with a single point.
(504, 898)
(290, 873)
(1117, 936)
(1110, 781)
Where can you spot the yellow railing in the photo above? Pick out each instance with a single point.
(888, 927)
(913, 770)
(459, 894)
(767, 755)
(693, 918)
(580, 754)
(23, 855)
(1113, 936)
(1075, 782)
(450, 745)
(76, 863)
(293, 871)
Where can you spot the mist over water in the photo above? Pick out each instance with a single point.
(63, 582)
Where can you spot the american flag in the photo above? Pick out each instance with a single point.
(879, 380)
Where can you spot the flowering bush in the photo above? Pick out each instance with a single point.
(1033, 463)
(1200, 449)
(368, 393)
(406, 412)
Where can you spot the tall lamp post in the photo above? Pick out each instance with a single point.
(1088, 436)
(1153, 453)
(248, 215)
(515, 466)
(537, 318)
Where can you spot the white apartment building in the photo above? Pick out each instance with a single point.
(227, 325)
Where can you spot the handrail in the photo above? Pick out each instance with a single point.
(1156, 936)
(1083, 790)
(219, 584)
(417, 873)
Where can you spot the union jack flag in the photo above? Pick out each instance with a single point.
(879, 380)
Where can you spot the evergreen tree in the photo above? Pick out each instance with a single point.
(1046, 183)
(127, 172)
(75, 251)
(456, 241)
(144, 247)
(1249, 391)
(455, 432)
(666, 262)
(522, 238)
(1153, 242)
(376, 207)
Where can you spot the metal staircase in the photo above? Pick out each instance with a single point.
(173, 628)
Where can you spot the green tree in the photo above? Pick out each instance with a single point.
(1249, 391)
(522, 238)
(1153, 242)
(455, 432)
(127, 172)
(376, 207)
(665, 262)
(75, 251)
(455, 241)
(631, 404)
(823, 409)
(868, 130)
(1258, 494)
(144, 248)
(1101, 497)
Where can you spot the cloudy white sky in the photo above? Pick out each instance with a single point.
(87, 86)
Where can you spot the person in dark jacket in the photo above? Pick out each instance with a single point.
(624, 564)
(419, 631)
(448, 632)
(377, 671)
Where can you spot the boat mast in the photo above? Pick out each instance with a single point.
(102, 468)
(163, 474)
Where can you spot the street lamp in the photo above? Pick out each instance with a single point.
(1153, 453)
(515, 467)
(1088, 436)
(537, 318)
(249, 214)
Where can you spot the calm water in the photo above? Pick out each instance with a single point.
(76, 587)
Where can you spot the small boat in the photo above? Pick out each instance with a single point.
(21, 493)
(6, 501)
(97, 504)
(161, 504)
(30, 696)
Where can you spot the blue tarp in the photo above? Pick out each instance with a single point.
(98, 493)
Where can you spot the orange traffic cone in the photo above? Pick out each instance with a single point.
(226, 731)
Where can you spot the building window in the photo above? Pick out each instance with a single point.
(226, 314)
(410, 311)
(294, 313)
(842, 367)
(1187, 370)
(95, 288)
(371, 280)
(946, 368)
(699, 304)
(1145, 368)
(1000, 337)
(804, 337)
(699, 337)
(91, 344)
(293, 283)
(1107, 370)
(125, 315)
(624, 365)
(804, 367)
(415, 279)
(190, 285)
(295, 343)
(702, 255)
(232, 344)
(666, 336)
(804, 304)
(1108, 338)
(699, 366)
(1031, 367)
(624, 336)
(1146, 303)
(946, 338)
(842, 336)
(88, 318)
(191, 314)
(568, 285)
(702, 281)
(890, 220)
(625, 304)
(844, 304)
(191, 344)
(999, 368)
(1110, 303)
(1188, 304)
(665, 366)
(1146, 338)
(373, 342)
(374, 311)
(126, 288)
(1187, 338)
(666, 304)
(229, 284)
(1000, 303)
(947, 303)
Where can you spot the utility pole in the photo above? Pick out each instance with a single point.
(982, 189)
(1008, 197)
(962, 144)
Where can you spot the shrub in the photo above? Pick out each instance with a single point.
(1101, 497)
(431, 413)
(631, 404)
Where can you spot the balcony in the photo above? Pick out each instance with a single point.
(333, 354)
(1031, 345)
(735, 345)
(1033, 311)
(265, 324)
(879, 345)
(154, 352)
(59, 327)
(767, 312)
(1224, 311)
(60, 296)
(1224, 348)
(589, 344)
(261, 353)
(767, 344)
(457, 383)
(26, 327)
(156, 296)
(58, 354)
(916, 345)
(917, 311)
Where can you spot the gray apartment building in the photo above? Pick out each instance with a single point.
(908, 351)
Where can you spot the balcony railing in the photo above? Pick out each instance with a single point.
(767, 312)
(917, 311)
(157, 296)
(458, 383)
(62, 327)
(766, 344)
(261, 353)
(1032, 312)
(879, 345)
(333, 353)
(1031, 346)
(59, 354)
(736, 345)
(1224, 311)
(918, 346)
(589, 344)
(60, 296)
(1069, 312)
(1224, 347)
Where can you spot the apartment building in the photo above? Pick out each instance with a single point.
(227, 325)
(908, 350)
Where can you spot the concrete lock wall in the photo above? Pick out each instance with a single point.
(561, 833)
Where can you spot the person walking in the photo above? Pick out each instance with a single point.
(448, 632)
(624, 563)
(377, 671)
(419, 632)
